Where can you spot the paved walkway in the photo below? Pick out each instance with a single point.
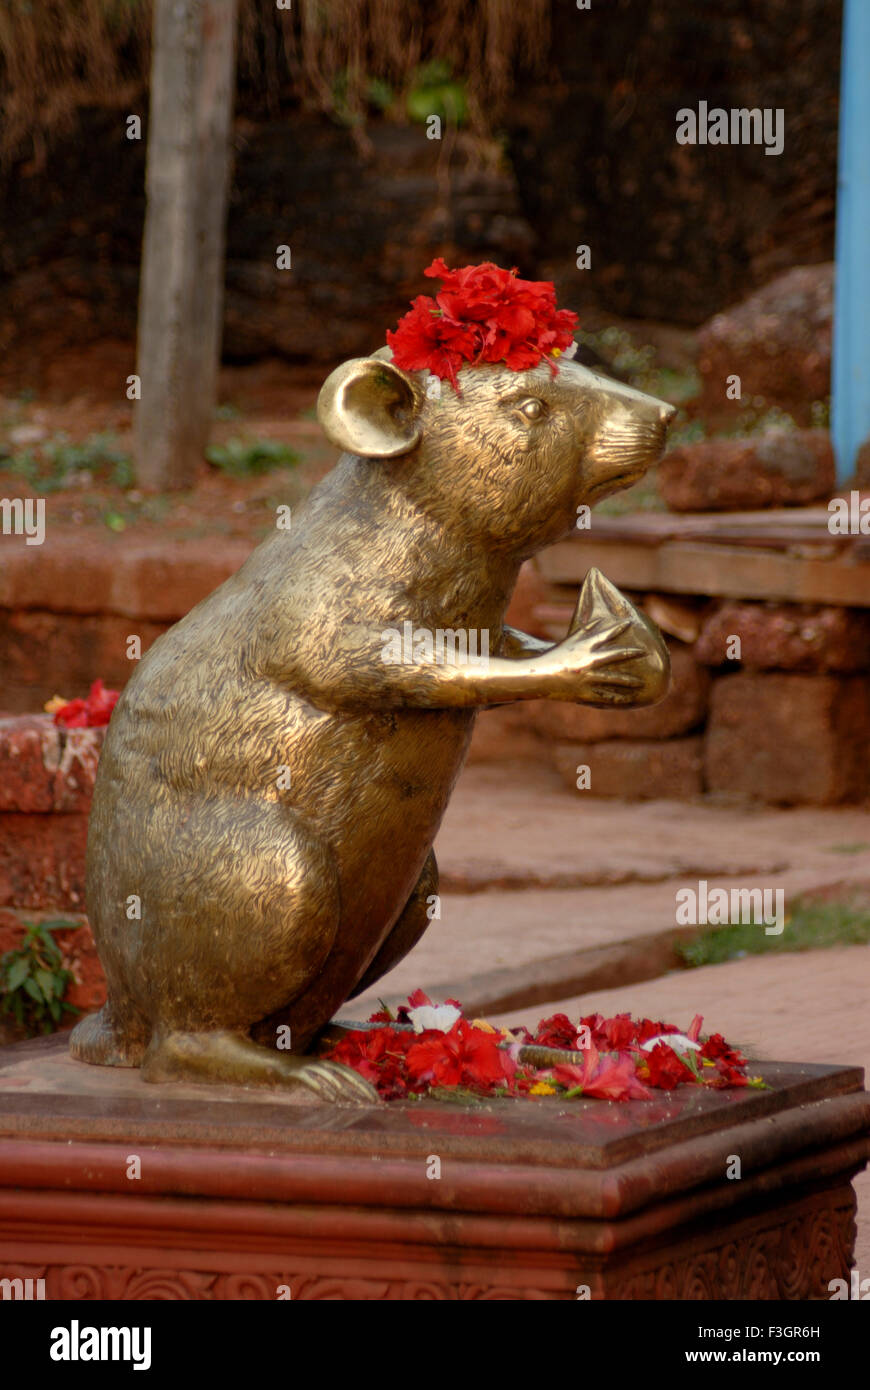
(537, 871)
(530, 869)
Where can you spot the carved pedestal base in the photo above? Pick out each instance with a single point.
(245, 1195)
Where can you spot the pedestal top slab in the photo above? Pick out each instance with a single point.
(44, 1092)
(64, 1123)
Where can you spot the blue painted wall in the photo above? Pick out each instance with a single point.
(851, 354)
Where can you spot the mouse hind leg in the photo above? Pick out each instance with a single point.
(409, 927)
(235, 1059)
(249, 919)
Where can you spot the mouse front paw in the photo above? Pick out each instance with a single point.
(621, 657)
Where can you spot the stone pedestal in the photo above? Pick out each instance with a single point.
(242, 1192)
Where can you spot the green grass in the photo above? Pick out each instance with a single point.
(247, 458)
(809, 927)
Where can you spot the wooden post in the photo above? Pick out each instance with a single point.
(181, 290)
(851, 365)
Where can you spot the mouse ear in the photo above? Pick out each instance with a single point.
(371, 408)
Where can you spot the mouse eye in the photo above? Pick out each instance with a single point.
(533, 409)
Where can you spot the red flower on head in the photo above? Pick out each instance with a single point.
(481, 314)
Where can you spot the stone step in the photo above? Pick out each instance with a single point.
(787, 555)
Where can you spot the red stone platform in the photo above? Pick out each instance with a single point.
(243, 1192)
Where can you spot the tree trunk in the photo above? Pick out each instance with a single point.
(181, 291)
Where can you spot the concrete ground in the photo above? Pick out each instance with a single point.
(531, 871)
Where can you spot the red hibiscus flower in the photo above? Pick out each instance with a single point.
(617, 1033)
(716, 1048)
(378, 1054)
(88, 713)
(729, 1062)
(607, 1078)
(647, 1029)
(481, 314)
(465, 1056)
(557, 1031)
(666, 1069)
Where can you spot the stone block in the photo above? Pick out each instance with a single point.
(639, 770)
(46, 768)
(82, 647)
(29, 760)
(778, 341)
(787, 637)
(42, 860)
(146, 578)
(74, 779)
(778, 469)
(788, 738)
(682, 709)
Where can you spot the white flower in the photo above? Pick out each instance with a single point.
(439, 1017)
(678, 1041)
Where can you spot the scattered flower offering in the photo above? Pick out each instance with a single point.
(89, 713)
(482, 314)
(432, 1047)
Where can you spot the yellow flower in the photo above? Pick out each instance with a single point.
(482, 1024)
(541, 1088)
(56, 702)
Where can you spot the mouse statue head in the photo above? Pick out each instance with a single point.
(478, 413)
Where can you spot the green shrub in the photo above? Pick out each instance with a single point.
(33, 980)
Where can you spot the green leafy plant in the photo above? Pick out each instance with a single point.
(436, 92)
(33, 980)
(51, 465)
(246, 458)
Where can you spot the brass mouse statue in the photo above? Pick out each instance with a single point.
(260, 841)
